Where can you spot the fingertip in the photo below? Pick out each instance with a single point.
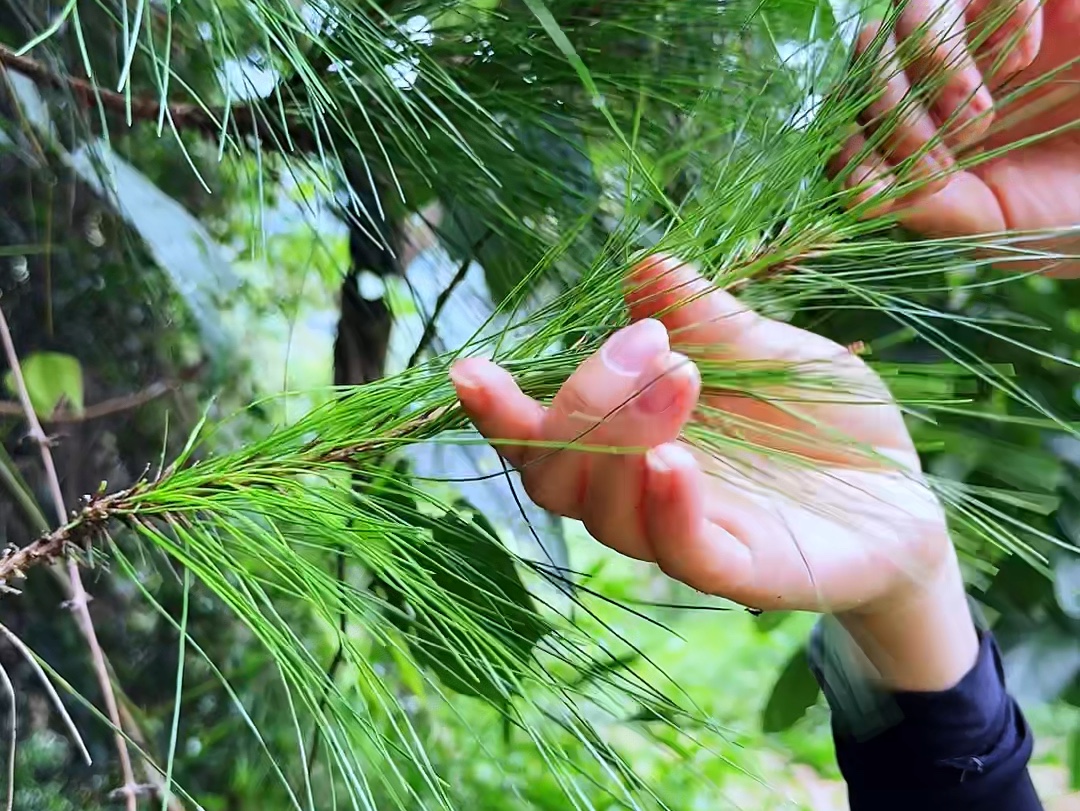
(1021, 54)
(672, 498)
(695, 311)
(471, 378)
(496, 405)
(669, 461)
(686, 546)
(1014, 45)
(865, 177)
(669, 504)
(668, 391)
(652, 267)
(966, 205)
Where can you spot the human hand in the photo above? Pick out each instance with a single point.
(834, 516)
(982, 106)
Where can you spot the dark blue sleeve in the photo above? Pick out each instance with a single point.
(964, 749)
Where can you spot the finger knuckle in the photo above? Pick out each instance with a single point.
(867, 36)
(582, 409)
(538, 487)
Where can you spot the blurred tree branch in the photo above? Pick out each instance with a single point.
(113, 405)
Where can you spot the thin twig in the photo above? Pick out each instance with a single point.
(440, 303)
(28, 655)
(106, 408)
(100, 509)
(79, 601)
(153, 775)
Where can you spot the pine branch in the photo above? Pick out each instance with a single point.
(99, 510)
(241, 121)
(49, 548)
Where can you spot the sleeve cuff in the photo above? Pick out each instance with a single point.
(950, 747)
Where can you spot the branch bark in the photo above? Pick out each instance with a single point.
(243, 121)
(79, 600)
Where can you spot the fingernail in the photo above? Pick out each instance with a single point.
(1020, 53)
(932, 164)
(971, 100)
(864, 175)
(462, 377)
(981, 102)
(630, 349)
(944, 158)
(658, 394)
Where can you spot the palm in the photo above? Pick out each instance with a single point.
(830, 539)
(840, 514)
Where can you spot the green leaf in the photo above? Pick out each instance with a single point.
(1040, 662)
(801, 20)
(561, 183)
(599, 668)
(180, 244)
(478, 573)
(652, 712)
(1017, 588)
(477, 576)
(1071, 695)
(51, 378)
(1068, 518)
(407, 670)
(465, 14)
(795, 691)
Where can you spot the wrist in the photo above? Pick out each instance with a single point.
(922, 638)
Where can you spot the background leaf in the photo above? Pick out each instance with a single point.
(770, 620)
(1040, 666)
(795, 691)
(465, 560)
(51, 378)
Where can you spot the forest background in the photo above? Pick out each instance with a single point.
(216, 211)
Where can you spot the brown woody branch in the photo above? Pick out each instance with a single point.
(77, 533)
(242, 121)
(79, 601)
(114, 405)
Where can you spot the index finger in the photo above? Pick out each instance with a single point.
(700, 315)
